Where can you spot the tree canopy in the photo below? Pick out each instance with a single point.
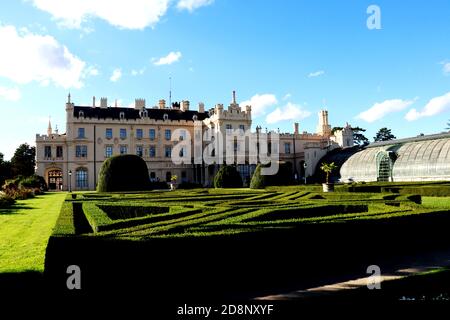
(5, 169)
(384, 134)
(23, 162)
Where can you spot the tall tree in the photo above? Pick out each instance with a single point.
(5, 169)
(384, 134)
(358, 137)
(24, 161)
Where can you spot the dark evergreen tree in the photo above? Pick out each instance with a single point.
(24, 160)
(384, 134)
(5, 170)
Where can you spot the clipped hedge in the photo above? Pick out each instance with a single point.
(307, 212)
(65, 225)
(117, 212)
(123, 173)
(257, 181)
(227, 177)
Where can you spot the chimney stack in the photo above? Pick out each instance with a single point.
(139, 103)
(296, 128)
(93, 102)
(185, 105)
(162, 104)
(201, 107)
(103, 103)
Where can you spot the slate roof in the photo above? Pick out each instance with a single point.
(133, 114)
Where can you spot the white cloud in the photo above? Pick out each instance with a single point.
(381, 109)
(116, 75)
(260, 103)
(290, 111)
(27, 57)
(11, 94)
(191, 5)
(434, 107)
(131, 14)
(316, 74)
(446, 68)
(169, 59)
(287, 96)
(92, 71)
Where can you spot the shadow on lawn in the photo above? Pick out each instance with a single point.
(14, 209)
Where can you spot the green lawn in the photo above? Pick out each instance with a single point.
(24, 232)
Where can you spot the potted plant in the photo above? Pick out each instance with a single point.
(173, 182)
(328, 168)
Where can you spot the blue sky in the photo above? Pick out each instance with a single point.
(290, 58)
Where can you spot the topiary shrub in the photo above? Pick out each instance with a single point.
(227, 177)
(34, 182)
(123, 173)
(258, 180)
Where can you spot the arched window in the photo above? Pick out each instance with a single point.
(165, 116)
(122, 115)
(81, 178)
(81, 114)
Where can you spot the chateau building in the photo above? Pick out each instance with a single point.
(72, 161)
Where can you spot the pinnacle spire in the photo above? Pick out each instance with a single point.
(49, 129)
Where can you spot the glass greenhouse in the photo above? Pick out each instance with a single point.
(415, 159)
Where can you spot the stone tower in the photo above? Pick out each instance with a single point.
(323, 128)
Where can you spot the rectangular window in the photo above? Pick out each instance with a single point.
(47, 152)
(139, 151)
(139, 134)
(59, 151)
(152, 152)
(287, 148)
(81, 178)
(81, 151)
(151, 134)
(108, 151)
(182, 135)
(81, 133)
(123, 133)
(229, 129)
(123, 149)
(108, 133)
(242, 128)
(168, 134)
(168, 151)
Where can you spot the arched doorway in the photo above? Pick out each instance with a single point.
(55, 179)
(384, 167)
